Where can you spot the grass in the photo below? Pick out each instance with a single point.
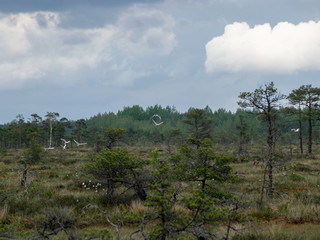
(57, 182)
(4, 214)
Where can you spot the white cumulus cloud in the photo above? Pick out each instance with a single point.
(35, 47)
(282, 49)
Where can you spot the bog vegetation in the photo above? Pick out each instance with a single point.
(202, 174)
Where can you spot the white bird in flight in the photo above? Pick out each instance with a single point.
(79, 144)
(65, 143)
(295, 130)
(154, 122)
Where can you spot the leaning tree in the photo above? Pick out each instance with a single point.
(266, 99)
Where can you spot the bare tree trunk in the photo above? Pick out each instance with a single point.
(240, 146)
(163, 233)
(138, 187)
(263, 184)
(110, 187)
(310, 136)
(116, 226)
(163, 222)
(23, 180)
(270, 156)
(50, 140)
(300, 131)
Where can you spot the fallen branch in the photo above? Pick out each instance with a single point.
(116, 227)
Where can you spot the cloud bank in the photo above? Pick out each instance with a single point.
(282, 49)
(36, 48)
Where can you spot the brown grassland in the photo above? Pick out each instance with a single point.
(58, 183)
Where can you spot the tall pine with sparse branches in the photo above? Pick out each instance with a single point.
(266, 99)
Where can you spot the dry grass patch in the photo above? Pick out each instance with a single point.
(4, 213)
(138, 208)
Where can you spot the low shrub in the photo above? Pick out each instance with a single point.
(263, 212)
(296, 177)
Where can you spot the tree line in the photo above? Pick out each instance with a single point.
(298, 110)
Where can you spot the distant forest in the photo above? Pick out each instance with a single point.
(139, 127)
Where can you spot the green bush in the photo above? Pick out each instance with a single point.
(301, 167)
(24, 205)
(296, 177)
(263, 212)
(56, 220)
(37, 190)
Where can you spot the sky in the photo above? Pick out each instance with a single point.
(83, 57)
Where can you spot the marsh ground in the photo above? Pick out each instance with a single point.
(58, 182)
